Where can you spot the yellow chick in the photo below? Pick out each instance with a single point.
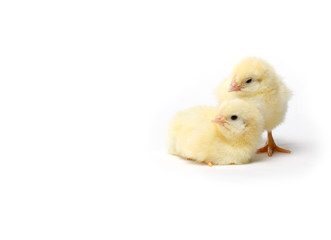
(225, 135)
(254, 80)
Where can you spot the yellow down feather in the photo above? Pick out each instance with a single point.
(266, 90)
(193, 135)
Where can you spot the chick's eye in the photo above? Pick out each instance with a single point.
(249, 80)
(234, 117)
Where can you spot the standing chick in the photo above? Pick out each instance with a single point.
(255, 80)
(228, 135)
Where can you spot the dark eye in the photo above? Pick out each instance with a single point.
(234, 117)
(249, 80)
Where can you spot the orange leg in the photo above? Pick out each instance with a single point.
(210, 164)
(270, 146)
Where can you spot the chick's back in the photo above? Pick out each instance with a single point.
(191, 133)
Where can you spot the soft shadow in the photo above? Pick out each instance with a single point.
(296, 147)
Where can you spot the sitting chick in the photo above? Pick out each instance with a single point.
(255, 80)
(227, 135)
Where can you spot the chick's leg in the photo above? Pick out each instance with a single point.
(270, 147)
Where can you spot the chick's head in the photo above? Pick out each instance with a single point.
(252, 75)
(239, 120)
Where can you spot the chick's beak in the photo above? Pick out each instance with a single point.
(234, 86)
(219, 120)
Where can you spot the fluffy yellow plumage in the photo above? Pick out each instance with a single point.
(231, 139)
(254, 80)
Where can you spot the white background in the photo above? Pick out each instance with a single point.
(87, 89)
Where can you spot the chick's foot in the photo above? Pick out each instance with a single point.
(210, 164)
(270, 147)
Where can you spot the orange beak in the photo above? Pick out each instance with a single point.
(219, 120)
(234, 86)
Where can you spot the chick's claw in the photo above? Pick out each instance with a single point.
(270, 147)
(263, 149)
